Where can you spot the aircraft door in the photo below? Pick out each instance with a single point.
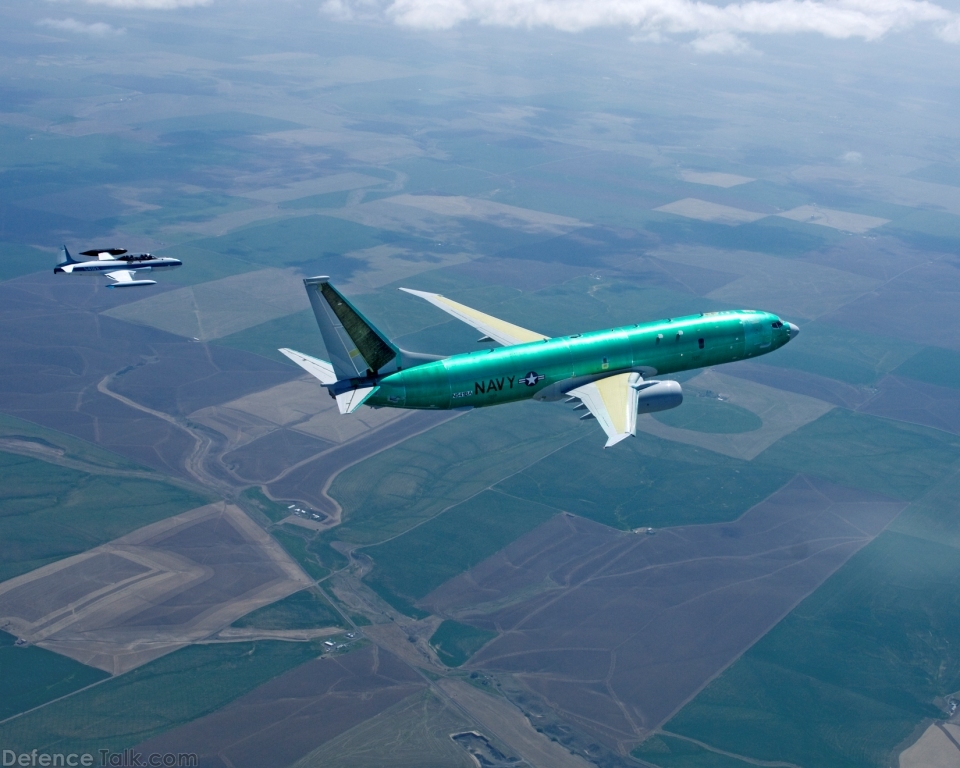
(758, 335)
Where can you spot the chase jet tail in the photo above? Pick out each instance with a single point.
(356, 348)
(65, 257)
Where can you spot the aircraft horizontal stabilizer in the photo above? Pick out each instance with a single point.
(497, 330)
(352, 399)
(312, 365)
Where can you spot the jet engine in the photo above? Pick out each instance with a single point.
(658, 396)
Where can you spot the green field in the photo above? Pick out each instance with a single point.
(670, 752)
(297, 331)
(270, 509)
(772, 235)
(48, 512)
(31, 676)
(73, 447)
(414, 733)
(933, 365)
(455, 642)
(890, 457)
(851, 672)
(294, 241)
(156, 697)
(645, 482)
(708, 414)
(200, 265)
(17, 260)
(325, 200)
(844, 354)
(185, 208)
(358, 619)
(935, 516)
(306, 609)
(310, 549)
(412, 565)
(426, 474)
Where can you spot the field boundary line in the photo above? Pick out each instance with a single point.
(717, 750)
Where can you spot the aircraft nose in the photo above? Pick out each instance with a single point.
(794, 330)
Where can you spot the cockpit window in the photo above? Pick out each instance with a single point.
(778, 324)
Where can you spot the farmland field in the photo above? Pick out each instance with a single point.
(414, 733)
(417, 562)
(455, 642)
(848, 675)
(301, 610)
(32, 676)
(158, 696)
(649, 482)
(50, 512)
(893, 458)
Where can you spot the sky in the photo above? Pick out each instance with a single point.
(715, 27)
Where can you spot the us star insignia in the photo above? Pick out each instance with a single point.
(532, 378)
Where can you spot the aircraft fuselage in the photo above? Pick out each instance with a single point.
(101, 266)
(546, 370)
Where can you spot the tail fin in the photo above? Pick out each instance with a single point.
(356, 348)
(65, 257)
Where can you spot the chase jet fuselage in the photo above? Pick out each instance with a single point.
(608, 372)
(120, 267)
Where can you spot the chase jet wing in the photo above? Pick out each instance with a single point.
(500, 331)
(613, 402)
(126, 277)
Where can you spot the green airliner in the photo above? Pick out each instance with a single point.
(607, 372)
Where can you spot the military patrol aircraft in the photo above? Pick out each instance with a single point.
(610, 373)
(121, 267)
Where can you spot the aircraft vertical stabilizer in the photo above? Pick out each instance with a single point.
(356, 348)
(65, 257)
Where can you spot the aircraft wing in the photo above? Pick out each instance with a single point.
(613, 402)
(126, 277)
(500, 331)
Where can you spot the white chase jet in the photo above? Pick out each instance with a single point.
(121, 267)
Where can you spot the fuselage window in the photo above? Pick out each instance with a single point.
(700, 343)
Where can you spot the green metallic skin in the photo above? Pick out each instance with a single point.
(501, 375)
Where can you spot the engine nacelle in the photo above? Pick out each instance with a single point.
(658, 396)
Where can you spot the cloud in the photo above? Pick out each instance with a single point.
(150, 5)
(950, 32)
(96, 29)
(720, 42)
(716, 27)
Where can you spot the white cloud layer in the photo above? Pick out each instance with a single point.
(96, 29)
(717, 28)
(150, 5)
